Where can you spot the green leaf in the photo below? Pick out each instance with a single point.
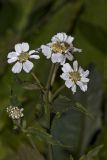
(84, 110)
(91, 155)
(30, 86)
(42, 135)
(72, 127)
(63, 104)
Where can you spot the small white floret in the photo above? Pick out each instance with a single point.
(21, 56)
(75, 76)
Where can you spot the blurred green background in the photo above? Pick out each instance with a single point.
(35, 22)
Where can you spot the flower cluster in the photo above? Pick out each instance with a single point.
(59, 50)
(15, 113)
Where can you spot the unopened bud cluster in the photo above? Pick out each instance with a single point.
(15, 113)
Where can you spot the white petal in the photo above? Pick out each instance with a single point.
(75, 65)
(54, 39)
(58, 57)
(86, 73)
(64, 37)
(12, 55)
(54, 58)
(11, 60)
(83, 79)
(67, 68)
(83, 86)
(32, 51)
(69, 39)
(60, 36)
(35, 56)
(25, 47)
(73, 88)
(69, 83)
(69, 56)
(18, 48)
(79, 83)
(64, 76)
(81, 71)
(46, 51)
(17, 67)
(27, 66)
(77, 50)
(63, 60)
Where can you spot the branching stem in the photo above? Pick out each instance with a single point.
(38, 82)
(58, 91)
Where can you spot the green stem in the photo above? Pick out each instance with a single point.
(50, 76)
(38, 82)
(57, 92)
(50, 152)
(34, 146)
(47, 109)
(47, 115)
(31, 142)
(47, 97)
(54, 73)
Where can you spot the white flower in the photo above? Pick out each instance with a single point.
(22, 56)
(75, 76)
(15, 112)
(60, 48)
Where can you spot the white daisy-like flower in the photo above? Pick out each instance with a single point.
(60, 48)
(75, 76)
(21, 56)
(15, 113)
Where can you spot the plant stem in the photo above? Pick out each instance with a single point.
(47, 98)
(31, 142)
(47, 115)
(34, 146)
(50, 152)
(54, 73)
(58, 91)
(46, 109)
(38, 82)
(50, 76)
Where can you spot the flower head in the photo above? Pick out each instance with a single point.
(75, 76)
(60, 48)
(22, 56)
(15, 113)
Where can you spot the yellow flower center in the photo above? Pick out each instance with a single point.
(59, 47)
(75, 76)
(23, 57)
